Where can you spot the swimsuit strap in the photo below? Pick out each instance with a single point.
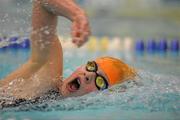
(50, 95)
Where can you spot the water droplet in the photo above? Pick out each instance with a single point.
(18, 4)
(46, 32)
(11, 83)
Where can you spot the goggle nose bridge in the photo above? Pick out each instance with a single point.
(88, 68)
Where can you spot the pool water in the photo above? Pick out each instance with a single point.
(155, 95)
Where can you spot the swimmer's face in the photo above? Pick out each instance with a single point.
(80, 82)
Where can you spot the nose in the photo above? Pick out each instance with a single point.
(89, 77)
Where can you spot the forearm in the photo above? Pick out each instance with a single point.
(66, 8)
(24, 72)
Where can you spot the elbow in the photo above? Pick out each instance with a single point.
(49, 6)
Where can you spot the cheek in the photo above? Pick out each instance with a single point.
(90, 88)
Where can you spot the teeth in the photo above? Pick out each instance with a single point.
(78, 81)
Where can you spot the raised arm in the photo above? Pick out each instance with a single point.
(45, 45)
(66, 8)
(70, 10)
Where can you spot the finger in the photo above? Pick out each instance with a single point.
(79, 33)
(79, 42)
(85, 36)
(80, 36)
(76, 41)
(76, 25)
(76, 34)
(82, 39)
(84, 25)
(81, 27)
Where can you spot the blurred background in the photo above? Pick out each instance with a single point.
(135, 31)
(121, 18)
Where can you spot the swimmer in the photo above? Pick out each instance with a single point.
(43, 71)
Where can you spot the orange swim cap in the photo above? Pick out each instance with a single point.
(115, 69)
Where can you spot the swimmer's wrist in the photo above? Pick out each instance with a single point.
(77, 15)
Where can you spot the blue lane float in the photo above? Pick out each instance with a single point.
(13, 42)
(162, 45)
(175, 45)
(151, 45)
(155, 46)
(3, 48)
(13, 39)
(25, 44)
(139, 46)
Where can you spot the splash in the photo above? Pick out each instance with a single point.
(151, 93)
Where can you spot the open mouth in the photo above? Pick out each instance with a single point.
(74, 85)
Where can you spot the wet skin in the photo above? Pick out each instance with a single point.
(43, 70)
(85, 79)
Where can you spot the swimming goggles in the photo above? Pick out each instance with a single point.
(100, 81)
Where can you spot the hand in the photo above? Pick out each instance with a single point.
(80, 30)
